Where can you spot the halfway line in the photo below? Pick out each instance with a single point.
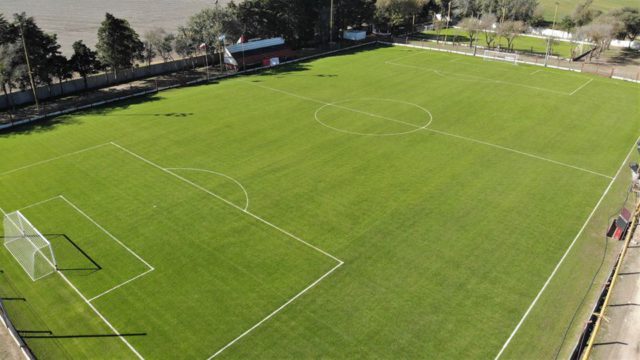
(438, 131)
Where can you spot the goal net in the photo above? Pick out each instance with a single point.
(490, 55)
(32, 250)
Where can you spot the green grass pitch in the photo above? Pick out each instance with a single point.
(383, 203)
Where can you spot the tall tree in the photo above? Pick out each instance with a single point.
(184, 45)
(84, 61)
(161, 41)
(487, 23)
(472, 27)
(583, 14)
(510, 30)
(630, 23)
(119, 46)
(61, 70)
(397, 13)
(38, 50)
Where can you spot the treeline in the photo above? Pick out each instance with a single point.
(509, 18)
(29, 57)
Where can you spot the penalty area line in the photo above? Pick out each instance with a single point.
(581, 86)
(52, 159)
(564, 256)
(275, 311)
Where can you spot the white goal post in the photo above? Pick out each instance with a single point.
(32, 250)
(500, 56)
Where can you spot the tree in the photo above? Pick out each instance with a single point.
(296, 20)
(510, 30)
(184, 46)
(598, 32)
(84, 61)
(352, 13)
(466, 8)
(119, 46)
(487, 23)
(438, 25)
(583, 14)
(161, 42)
(472, 27)
(396, 13)
(522, 10)
(630, 21)
(61, 69)
(567, 24)
(40, 48)
(149, 52)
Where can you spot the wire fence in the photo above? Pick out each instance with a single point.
(6, 321)
(621, 72)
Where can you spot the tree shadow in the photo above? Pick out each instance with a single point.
(625, 57)
(53, 122)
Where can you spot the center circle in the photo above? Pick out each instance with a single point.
(373, 117)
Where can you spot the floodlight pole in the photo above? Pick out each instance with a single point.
(546, 58)
(26, 58)
(447, 26)
(206, 60)
(331, 23)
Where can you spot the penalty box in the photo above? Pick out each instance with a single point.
(192, 272)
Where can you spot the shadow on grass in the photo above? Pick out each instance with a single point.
(95, 264)
(78, 336)
(53, 123)
(626, 56)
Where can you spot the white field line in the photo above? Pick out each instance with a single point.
(479, 78)
(115, 331)
(339, 262)
(225, 201)
(52, 159)
(121, 285)
(40, 203)
(246, 194)
(520, 152)
(150, 268)
(275, 311)
(331, 104)
(566, 253)
(581, 86)
(451, 135)
(535, 72)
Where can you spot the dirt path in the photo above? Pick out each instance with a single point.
(9, 350)
(620, 334)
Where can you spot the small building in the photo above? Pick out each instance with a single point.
(354, 35)
(260, 52)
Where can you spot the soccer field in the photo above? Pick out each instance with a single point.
(382, 203)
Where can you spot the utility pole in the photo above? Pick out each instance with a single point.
(446, 28)
(331, 23)
(26, 58)
(548, 53)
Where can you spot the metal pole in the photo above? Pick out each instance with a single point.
(26, 58)
(546, 58)
(206, 60)
(331, 23)
(446, 28)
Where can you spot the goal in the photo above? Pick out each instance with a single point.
(32, 250)
(490, 55)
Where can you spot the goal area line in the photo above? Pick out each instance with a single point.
(88, 301)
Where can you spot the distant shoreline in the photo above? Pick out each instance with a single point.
(74, 20)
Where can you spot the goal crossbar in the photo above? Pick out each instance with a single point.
(490, 55)
(28, 246)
